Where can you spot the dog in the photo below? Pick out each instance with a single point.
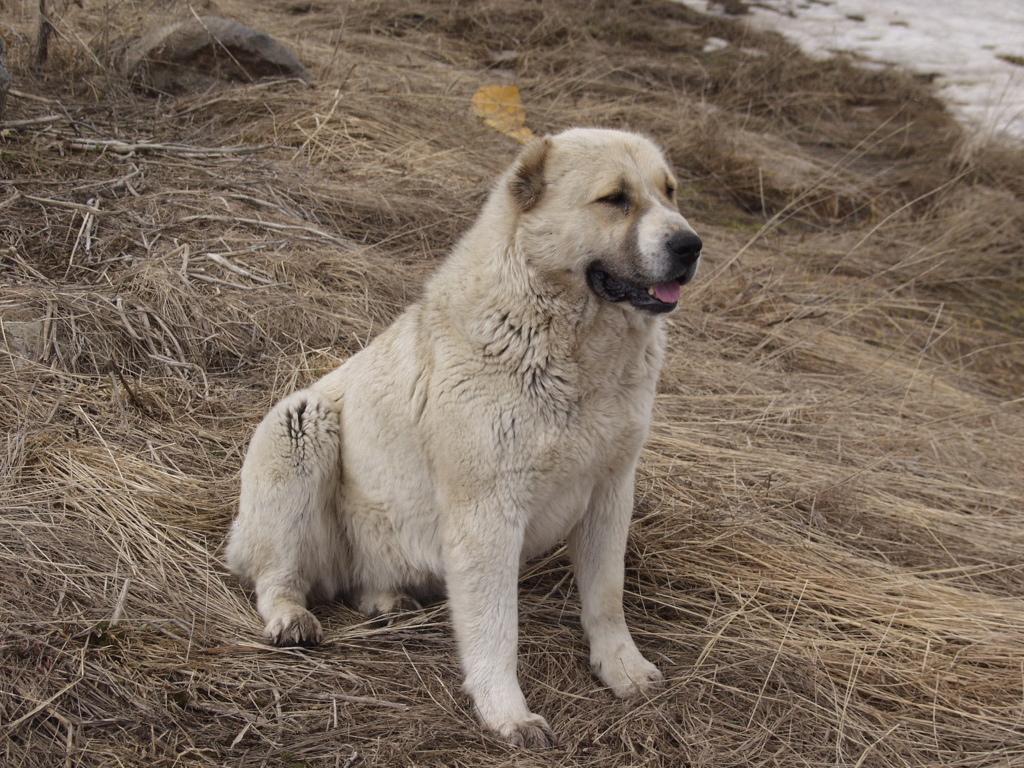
(498, 416)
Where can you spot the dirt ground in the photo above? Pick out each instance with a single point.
(827, 554)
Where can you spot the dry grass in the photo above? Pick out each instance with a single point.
(827, 558)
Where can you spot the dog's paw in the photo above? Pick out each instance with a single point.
(628, 674)
(532, 732)
(295, 627)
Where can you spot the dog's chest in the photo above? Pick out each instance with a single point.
(567, 470)
(599, 439)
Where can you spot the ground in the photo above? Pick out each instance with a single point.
(971, 53)
(827, 553)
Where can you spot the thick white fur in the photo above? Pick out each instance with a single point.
(501, 414)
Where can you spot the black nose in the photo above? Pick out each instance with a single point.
(684, 248)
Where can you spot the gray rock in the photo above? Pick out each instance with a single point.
(23, 337)
(191, 54)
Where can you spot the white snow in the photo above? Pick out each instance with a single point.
(958, 41)
(713, 44)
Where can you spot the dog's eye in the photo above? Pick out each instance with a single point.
(670, 191)
(618, 198)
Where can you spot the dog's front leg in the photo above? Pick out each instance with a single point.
(597, 546)
(483, 542)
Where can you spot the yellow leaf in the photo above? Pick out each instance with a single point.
(501, 108)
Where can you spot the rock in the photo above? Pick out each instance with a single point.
(195, 53)
(503, 58)
(23, 337)
(733, 7)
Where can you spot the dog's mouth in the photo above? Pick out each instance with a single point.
(655, 298)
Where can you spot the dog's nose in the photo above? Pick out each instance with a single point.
(684, 247)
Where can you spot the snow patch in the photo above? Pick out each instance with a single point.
(971, 47)
(713, 44)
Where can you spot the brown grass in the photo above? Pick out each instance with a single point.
(827, 558)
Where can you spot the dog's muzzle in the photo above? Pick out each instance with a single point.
(683, 250)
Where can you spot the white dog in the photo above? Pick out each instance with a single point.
(498, 416)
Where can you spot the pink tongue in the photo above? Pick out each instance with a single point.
(667, 292)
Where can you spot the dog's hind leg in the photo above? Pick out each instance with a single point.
(286, 539)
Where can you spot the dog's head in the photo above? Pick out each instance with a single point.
(597, 210)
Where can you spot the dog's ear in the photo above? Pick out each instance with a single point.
(527, 184)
